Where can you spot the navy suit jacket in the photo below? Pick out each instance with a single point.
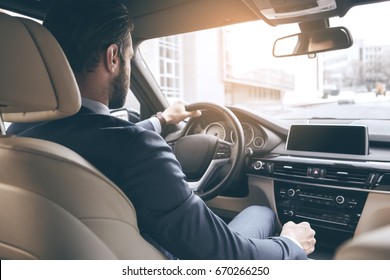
(141, 163)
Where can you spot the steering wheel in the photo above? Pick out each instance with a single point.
(209, 163)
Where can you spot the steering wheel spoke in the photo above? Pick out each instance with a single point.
(224, 150)
(197, 186)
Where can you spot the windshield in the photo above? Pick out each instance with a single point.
(234, 66)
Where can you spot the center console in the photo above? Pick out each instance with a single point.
(324, 208)
(332, 213)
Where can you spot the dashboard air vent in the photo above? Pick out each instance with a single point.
(326, 174)
(290, 169)
(348, 175)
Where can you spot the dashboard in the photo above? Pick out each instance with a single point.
(252, 135)
(338, 193)
(258, 138)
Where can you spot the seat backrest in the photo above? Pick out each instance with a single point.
(54, 204)
(371, 245)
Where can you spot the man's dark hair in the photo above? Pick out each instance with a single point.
(86, 28)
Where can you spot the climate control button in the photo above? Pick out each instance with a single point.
(291, 192)
(340, 199)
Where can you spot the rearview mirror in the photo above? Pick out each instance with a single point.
(312, 42)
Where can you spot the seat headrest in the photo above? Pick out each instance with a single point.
(36, 80)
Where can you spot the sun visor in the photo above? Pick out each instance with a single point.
(277, 12)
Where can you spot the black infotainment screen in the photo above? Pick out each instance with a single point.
(341, 139)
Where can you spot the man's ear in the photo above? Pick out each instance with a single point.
(112, 58)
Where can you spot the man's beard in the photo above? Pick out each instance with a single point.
(119, 87)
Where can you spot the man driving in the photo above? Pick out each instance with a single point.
(95, 36)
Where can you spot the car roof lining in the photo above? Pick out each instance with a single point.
(156, 18)
(148, 17)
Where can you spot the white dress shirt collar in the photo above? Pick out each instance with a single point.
(97, 107)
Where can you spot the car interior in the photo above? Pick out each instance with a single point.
(333, 173)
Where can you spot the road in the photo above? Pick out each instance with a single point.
(365, 106)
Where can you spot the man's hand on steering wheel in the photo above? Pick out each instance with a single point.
(178, 112)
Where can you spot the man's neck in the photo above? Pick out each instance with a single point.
(94, 87)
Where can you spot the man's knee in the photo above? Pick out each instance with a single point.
(263, 213)
(255, 222)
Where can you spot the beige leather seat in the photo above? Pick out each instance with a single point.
(370, 245)
(54, 204)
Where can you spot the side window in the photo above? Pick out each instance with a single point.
(164, 59)
(132, 102)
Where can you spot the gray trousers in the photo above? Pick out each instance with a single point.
(255, 222)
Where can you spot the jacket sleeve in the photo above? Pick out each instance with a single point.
(178, 219)
(146, 124)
